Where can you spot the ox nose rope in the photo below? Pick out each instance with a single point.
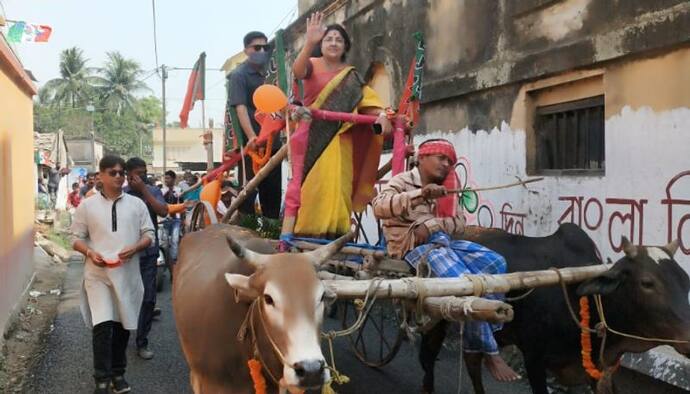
(602, 328)
(364, 308)
(256, 364)
(600, 310)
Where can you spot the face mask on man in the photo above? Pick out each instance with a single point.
(259, 59)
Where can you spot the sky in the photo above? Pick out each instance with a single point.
(184, 29)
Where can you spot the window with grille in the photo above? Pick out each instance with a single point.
(570, 137)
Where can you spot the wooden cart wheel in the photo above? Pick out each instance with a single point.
(201, 211)
(378, 340)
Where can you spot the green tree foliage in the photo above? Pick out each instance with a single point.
(119, 81)
(149, 110)
(75, 85)
(119, 115)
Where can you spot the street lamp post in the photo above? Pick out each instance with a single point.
(164, 76)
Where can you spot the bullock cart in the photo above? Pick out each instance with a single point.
(382, 301)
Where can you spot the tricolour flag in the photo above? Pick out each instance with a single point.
(24, 32)
(196, 87)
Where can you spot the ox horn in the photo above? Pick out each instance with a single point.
(254, 259)
(672, 247)
(629, 249)
(325, 252)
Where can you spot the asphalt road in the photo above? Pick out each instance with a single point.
(66, 364)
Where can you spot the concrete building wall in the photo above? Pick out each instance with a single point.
(183, 145)
(81, 151)
(480, 52)
(17, 173)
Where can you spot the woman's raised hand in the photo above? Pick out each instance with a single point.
(315, 28)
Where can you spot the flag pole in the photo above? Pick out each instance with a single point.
(208, 137)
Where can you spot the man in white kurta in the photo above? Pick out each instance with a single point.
(110, 229)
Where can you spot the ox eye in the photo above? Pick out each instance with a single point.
(268, 299)
(647, 284)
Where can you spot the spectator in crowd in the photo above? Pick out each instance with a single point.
(89, 184)
(73, 198)
(156, 206)
(171, 195)
(186, 182)
(42, 189)
(97, 186)
(227, 193)
(53, 181)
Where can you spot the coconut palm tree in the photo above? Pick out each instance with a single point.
(120, 79)
(74, 87)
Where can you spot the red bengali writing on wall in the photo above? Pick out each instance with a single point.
(626, 216)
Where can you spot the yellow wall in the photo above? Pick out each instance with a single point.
(16, 192)
(16, 162)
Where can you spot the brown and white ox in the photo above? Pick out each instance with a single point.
(645, 294)
(220, 272)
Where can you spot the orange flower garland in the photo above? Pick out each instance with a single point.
(586, 341)
(260, 159)
(258, 379)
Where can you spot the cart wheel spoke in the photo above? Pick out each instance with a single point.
(380, 329)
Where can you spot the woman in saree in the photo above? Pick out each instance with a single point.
(334, 164)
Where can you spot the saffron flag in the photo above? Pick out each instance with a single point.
(196, 87)
(24, 32)
(409, 104)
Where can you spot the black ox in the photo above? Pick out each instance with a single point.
(645, 294)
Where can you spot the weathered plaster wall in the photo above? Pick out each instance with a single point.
(645, 151)
(647, 164)
(480, 52)
(660, 83)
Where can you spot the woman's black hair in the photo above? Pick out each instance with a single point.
(343, 33)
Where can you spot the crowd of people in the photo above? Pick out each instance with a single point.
(334, 169)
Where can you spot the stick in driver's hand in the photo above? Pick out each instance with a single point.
(483, 189)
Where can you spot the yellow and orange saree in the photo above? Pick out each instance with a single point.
(334, 164)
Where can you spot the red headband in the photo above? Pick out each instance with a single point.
(445, 206)
(439, 148)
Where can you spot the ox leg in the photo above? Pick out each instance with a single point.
(473, 361)
(536, 373)
(432, 341)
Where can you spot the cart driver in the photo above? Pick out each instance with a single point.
(421, 220)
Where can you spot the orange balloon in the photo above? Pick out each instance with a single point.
(211, 194)
(269, 98)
